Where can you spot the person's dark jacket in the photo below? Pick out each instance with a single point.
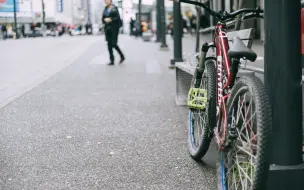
(114, 25)
(3, 28)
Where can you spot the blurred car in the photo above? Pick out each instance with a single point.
(37, 33)
(51, 33)
(75, 32)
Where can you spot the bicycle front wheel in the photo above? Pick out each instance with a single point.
(202, 120)
(244, 164)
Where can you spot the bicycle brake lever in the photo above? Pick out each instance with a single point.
(259, 10)
(225, 13)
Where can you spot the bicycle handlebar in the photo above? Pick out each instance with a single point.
(223, 15)
(213, 13)
(245, 10)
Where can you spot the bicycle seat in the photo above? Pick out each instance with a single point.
(240, 50)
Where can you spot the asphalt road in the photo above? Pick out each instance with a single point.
(68, 121)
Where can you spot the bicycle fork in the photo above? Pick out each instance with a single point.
(201, 58)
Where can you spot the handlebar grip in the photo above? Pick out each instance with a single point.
(252, 16)
(259, 10)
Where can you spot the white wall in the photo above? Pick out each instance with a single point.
(97, 7)
(67, 15)
(50, 10)
(51, 13)
(77, 13)
(48, 7)
(37, 6)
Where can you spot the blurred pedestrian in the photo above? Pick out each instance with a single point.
(87, 28)
(23, 30)
(33, 28)
(112, 23)
(137, 28)
(171, 29)
(193, 23)
(4, 32)
(131, 26)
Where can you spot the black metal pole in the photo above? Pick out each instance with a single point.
(139, 17)
(177, 35)
(197, 30)
(283, 82)
(158, 21)
(15, 19)
(88, 12)
(163, 25)
(238, 23)
(210, 17)
(43, 14)
(122, 16)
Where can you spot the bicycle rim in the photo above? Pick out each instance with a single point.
(245, 164)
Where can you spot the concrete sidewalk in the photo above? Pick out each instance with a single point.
(92, 126)
(27, 62)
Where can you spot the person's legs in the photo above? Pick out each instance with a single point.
(109, 39)
(122, 57)
(115, 40)
(110, 49)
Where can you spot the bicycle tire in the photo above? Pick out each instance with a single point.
(263, 127)
(197, 153)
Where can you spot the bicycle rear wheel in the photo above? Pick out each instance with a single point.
(244, 164)
(202, 121)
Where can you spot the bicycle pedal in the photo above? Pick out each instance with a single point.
(197, 98)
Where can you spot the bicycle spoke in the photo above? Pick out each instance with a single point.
(200, 120)
(241, 172)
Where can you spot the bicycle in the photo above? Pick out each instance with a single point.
(224, 103)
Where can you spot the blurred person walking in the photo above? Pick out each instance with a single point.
(33, 28)
(131, 26)
(112, 23)
(23, 30)
(4, 32)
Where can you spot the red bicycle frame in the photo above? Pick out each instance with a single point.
(224, 77)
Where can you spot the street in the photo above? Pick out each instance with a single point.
(28, 62)
(68, 121)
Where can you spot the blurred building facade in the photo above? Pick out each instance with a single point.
(232, 5)
(29, 11)
(59, 11)
(97, 7)
(80, 12)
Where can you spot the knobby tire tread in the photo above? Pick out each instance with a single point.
(199, 153)
(264, 125)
